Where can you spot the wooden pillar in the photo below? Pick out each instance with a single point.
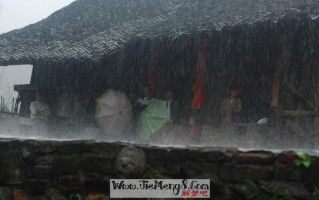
(316, 123)
(276, 84)
(152, 66)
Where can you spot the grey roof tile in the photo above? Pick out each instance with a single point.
(91, 29)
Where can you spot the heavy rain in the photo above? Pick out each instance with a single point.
(267, 53)
(169, 73)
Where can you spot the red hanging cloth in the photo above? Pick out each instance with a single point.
(200, 75)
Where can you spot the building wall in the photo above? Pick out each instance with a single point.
(242, 55)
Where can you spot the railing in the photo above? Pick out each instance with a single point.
(5, 110)
(299, 113)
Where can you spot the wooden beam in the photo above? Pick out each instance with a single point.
(302, 99)
(31, 87)
(298, 113)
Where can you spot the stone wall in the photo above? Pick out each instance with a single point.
(83, 167)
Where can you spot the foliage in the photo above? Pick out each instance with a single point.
(254, 192)
(79, 197)
(4, 108)
(315, 193)
(6, 168)
(304, 159)
(75, 197)
(7, 165)
(104, 197)
(62, 198)
(152, 173)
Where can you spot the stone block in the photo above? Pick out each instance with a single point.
(256, 157)
(97, 182)
(109, 148)
(70, 180)
(33, 186)
(176, 155)
(200, 169)
(166, 168)
(28, 156)
(210, 155)
(246, 172)
(94, 177)
(44, 160)
(290, 190)
(97, 164)
(287, 157)
(131, 161)
(288, 172)
(42, 172)
(43, 148)
(66, 164)
(156, 153)
(71, 147)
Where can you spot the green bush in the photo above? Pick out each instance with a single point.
(254, 192)
(304, 159)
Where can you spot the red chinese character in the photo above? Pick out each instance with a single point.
(185, 193)
(204, 193)
(194, 193)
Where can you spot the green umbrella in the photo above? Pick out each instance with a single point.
(152, 118)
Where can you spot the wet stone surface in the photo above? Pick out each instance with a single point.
(74, 166)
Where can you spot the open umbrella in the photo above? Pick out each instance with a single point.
(114, 113)
(152, 118)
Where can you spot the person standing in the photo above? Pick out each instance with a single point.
(142, 102)
(145, 100)
(172, 107)
(231, 108)
(65, 108)
(40, 112)
(84, 110)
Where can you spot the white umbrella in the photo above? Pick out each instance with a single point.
(114, 113)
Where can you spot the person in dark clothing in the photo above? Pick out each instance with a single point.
(172, 107)
(231, 108)
(142, 102)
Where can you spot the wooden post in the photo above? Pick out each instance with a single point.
(12, 106)
(276, 83)
(316, 123)
(2, 104)
(152, 67)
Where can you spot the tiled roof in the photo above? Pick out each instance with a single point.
(91, 29)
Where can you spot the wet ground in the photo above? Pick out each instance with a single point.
(247, 136)
(244, 136)
(259, 137)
